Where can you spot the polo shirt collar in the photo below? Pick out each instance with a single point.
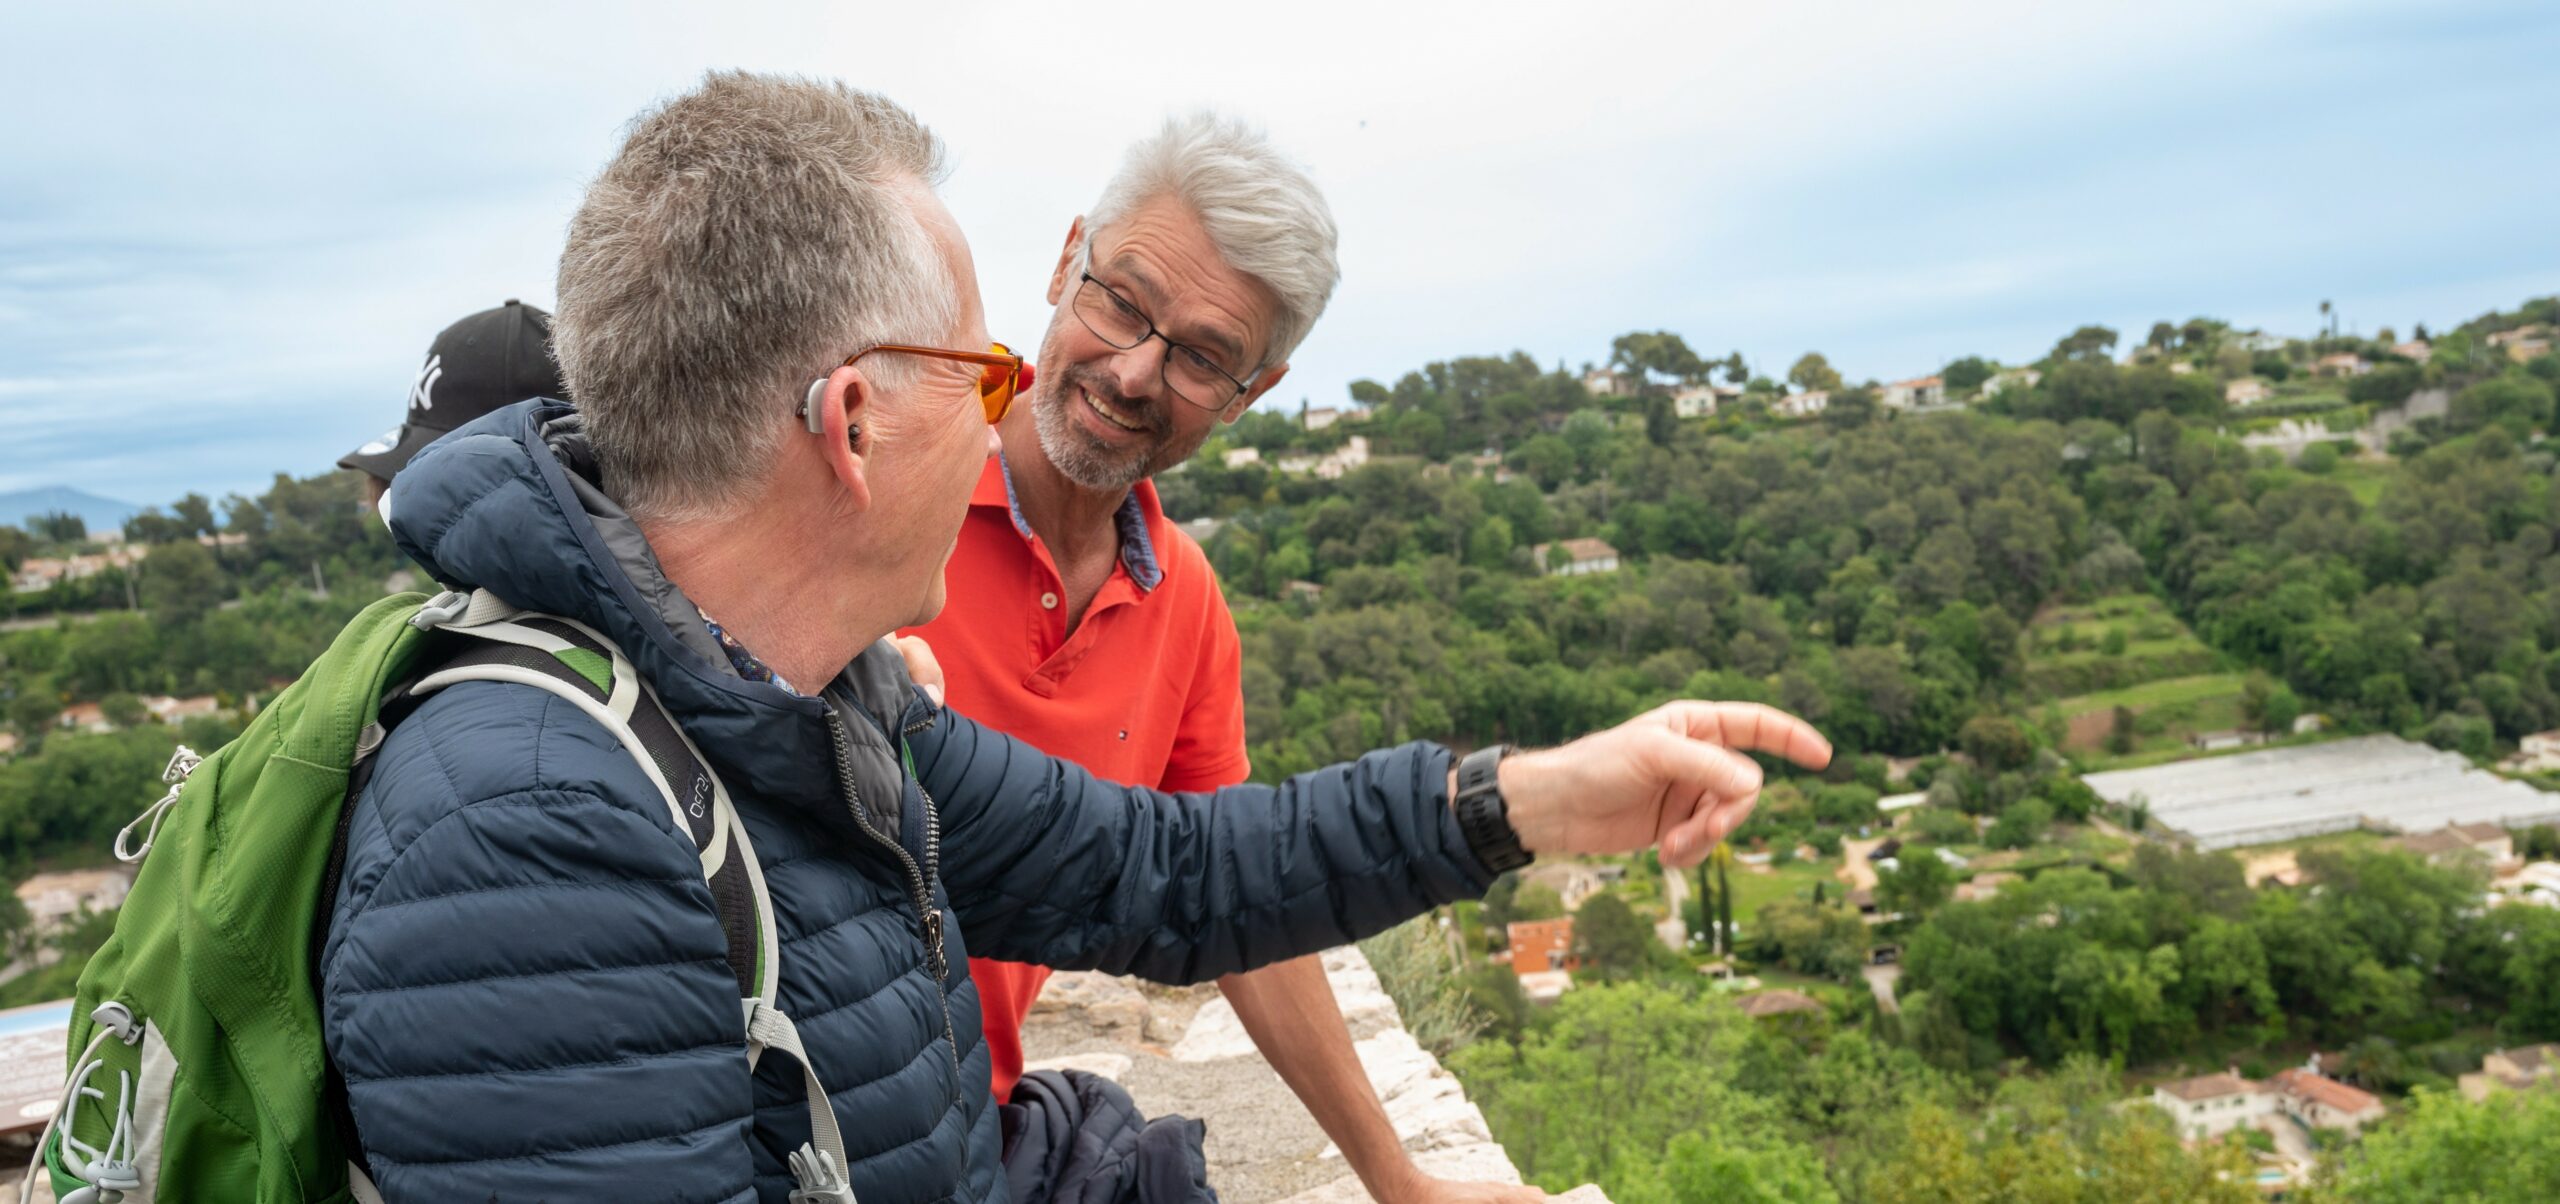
(1137, 547)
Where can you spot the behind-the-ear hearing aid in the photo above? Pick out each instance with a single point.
(816, 419)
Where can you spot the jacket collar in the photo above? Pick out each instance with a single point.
(512, 503)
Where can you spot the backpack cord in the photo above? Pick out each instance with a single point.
(108, 1171)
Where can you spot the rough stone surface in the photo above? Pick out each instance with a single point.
(1183, 1051)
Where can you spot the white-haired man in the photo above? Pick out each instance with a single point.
(1084, 622)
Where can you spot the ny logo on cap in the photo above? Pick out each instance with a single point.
(422, 395)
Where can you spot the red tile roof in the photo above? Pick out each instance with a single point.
(2321, 1089)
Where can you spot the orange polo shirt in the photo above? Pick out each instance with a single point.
(1147, 690)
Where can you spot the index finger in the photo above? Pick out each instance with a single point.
(1751, 726)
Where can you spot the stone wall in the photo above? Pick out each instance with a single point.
(1182, 1050)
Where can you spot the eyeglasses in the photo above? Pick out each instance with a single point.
(1187, 373)
(1003, 375)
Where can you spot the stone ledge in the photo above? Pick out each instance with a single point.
(1182, 1050)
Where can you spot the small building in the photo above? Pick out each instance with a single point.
(1605, 382)
(1917, 392)
(2414, 349)
(1202, 530)
(2534, 1066)
(54, 899)
(1696, 401)
(1302, 591)
(1238, 457)
(2247, 391)
(179, 710)
(2212, 1105)
(2486, 841)
(1538, 945)
(1779, 1001)
(2218, 741)
(83, 717)
(2523, 342)
(2536, 753)
(1579, 557)
(2010, 378)
(2344, 363)
(1808, 404)
(1902, 802)
(1544, 986)
(1318, 418)
(2322, 1102)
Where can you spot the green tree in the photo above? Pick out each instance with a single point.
(2087, 344)
(1996, 743)
(1813, 373)
(1536, 901)
(2442, 1147)
(1966, 375)
(1918, 883)
(58, 527)
(1609, 939)
(181, 583)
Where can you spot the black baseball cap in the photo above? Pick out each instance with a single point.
(493, 358)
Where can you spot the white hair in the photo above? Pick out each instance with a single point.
(1265, 216)
(749, 235)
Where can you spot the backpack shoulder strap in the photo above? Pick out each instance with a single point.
(572, 662)
(576, 663)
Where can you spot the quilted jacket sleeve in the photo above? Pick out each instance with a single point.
(1047, 864)
(524, 984)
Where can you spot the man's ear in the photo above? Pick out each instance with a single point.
(1261, 384)
(1058, 282)
(844, 410)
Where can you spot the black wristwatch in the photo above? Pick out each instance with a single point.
(1482, 813)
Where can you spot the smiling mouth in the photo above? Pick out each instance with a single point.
(1094, 404)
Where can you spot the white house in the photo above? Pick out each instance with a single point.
(1582, 557)
(1696, 401)
(1801, 405)
(1238, 457)
(2007, 378)
(2247, 391)
(1319, 418)
(1918, 391)
(2213, 1104)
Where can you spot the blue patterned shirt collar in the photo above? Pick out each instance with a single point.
(747, 664)
(1137, 548)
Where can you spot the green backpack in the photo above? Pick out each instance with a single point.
(198, 1071)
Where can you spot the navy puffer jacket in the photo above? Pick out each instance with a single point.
(525, 983)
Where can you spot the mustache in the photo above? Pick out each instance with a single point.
(1147, 413)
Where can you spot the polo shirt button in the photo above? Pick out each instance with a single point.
(1048, 601)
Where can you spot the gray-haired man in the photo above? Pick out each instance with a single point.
(1179, 300)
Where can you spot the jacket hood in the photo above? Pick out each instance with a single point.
(510, 503)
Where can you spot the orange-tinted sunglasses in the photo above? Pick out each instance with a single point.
(1003, 374)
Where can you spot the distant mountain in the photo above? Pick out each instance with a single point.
(100, 513)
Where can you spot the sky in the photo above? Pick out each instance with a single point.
(228, 232)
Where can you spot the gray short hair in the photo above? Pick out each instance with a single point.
(748, 236)
(1265, 216)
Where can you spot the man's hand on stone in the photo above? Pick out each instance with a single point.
(1427, 1190)
(1674, 776)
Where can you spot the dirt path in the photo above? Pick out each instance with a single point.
(1855, 869)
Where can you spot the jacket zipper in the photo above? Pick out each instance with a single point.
(920, 879)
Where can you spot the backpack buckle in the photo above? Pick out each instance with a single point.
(181, 763)
(441, 610)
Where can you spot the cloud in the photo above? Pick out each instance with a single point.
(226, 244)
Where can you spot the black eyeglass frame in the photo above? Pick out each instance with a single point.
(1162, 369)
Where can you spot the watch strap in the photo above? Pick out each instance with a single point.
(1483, 815)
